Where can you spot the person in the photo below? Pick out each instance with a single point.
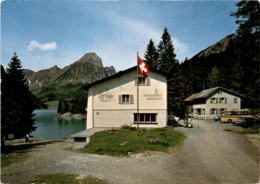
(27, 138)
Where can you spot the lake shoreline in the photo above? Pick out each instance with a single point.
(52, 125)
(71, 115)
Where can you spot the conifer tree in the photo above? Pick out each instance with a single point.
(248, 17)
(151, 55)
(168, 64)
(17, 101)
(214, 78)
(5, 99)
(247, 49)
(167, 58)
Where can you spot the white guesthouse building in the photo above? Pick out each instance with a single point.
(210, 102)
(112, 101)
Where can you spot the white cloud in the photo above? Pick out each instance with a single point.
(45, 46)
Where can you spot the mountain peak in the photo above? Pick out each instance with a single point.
(91, 57)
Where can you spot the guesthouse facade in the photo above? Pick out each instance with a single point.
(211, 102)
(113, 101)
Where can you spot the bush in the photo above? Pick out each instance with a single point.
(127, 127)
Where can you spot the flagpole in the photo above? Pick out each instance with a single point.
(138, 116)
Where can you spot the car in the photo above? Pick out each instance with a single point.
(217, 118)
(246, 122)
(173, 120)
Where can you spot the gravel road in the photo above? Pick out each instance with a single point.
(209, 155)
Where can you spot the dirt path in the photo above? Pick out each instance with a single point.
(209, 155)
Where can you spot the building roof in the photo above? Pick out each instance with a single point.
(208, 92)
(118, 74)
(190, 98)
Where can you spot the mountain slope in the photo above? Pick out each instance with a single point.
(88, 69)
(55, 84)
(232, 63)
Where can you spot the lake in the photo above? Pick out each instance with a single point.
(49, 125)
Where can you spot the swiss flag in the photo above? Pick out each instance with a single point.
(143, 68)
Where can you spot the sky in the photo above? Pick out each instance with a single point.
(45, 33)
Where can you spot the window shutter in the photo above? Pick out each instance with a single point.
(120, 100)
(216, 100)
(148, 81)
(131, 99)
(225, 100)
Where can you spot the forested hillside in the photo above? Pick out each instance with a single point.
(232, 63)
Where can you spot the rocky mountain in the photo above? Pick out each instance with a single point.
(110, 70)
(87, 69)
(42, 77)
(64, 84)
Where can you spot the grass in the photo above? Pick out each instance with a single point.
(12, 154)
(17, 141)
(62, 178)
(251, 130)
(126, 140)
(13, 157)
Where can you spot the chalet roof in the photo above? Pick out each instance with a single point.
(119, 74)
(190, 98)
(208, 92)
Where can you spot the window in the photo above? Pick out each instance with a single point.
(219, 92)
(145, 118)
(222, 100)
(213, 111)
(221, 110)
(203, 112)
(142, 81)
(235, 100)
(200, 111)
(213, 100)
(126, 99)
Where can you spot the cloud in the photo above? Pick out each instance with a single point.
(45, 46)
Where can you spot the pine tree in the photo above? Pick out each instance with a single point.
(214, 78)
(248, 17)
(168, 64)
(5, 99)
(17, 101)
(167, 58)
(151, 55)
(247, 50)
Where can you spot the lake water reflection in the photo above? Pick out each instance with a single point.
(50, 125)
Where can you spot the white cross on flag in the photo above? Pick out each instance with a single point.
(143, 68)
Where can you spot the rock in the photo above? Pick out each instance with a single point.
(123, 143)
(67, 114)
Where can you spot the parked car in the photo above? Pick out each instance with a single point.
(246, 122)
(217, 118)
(173, 120)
